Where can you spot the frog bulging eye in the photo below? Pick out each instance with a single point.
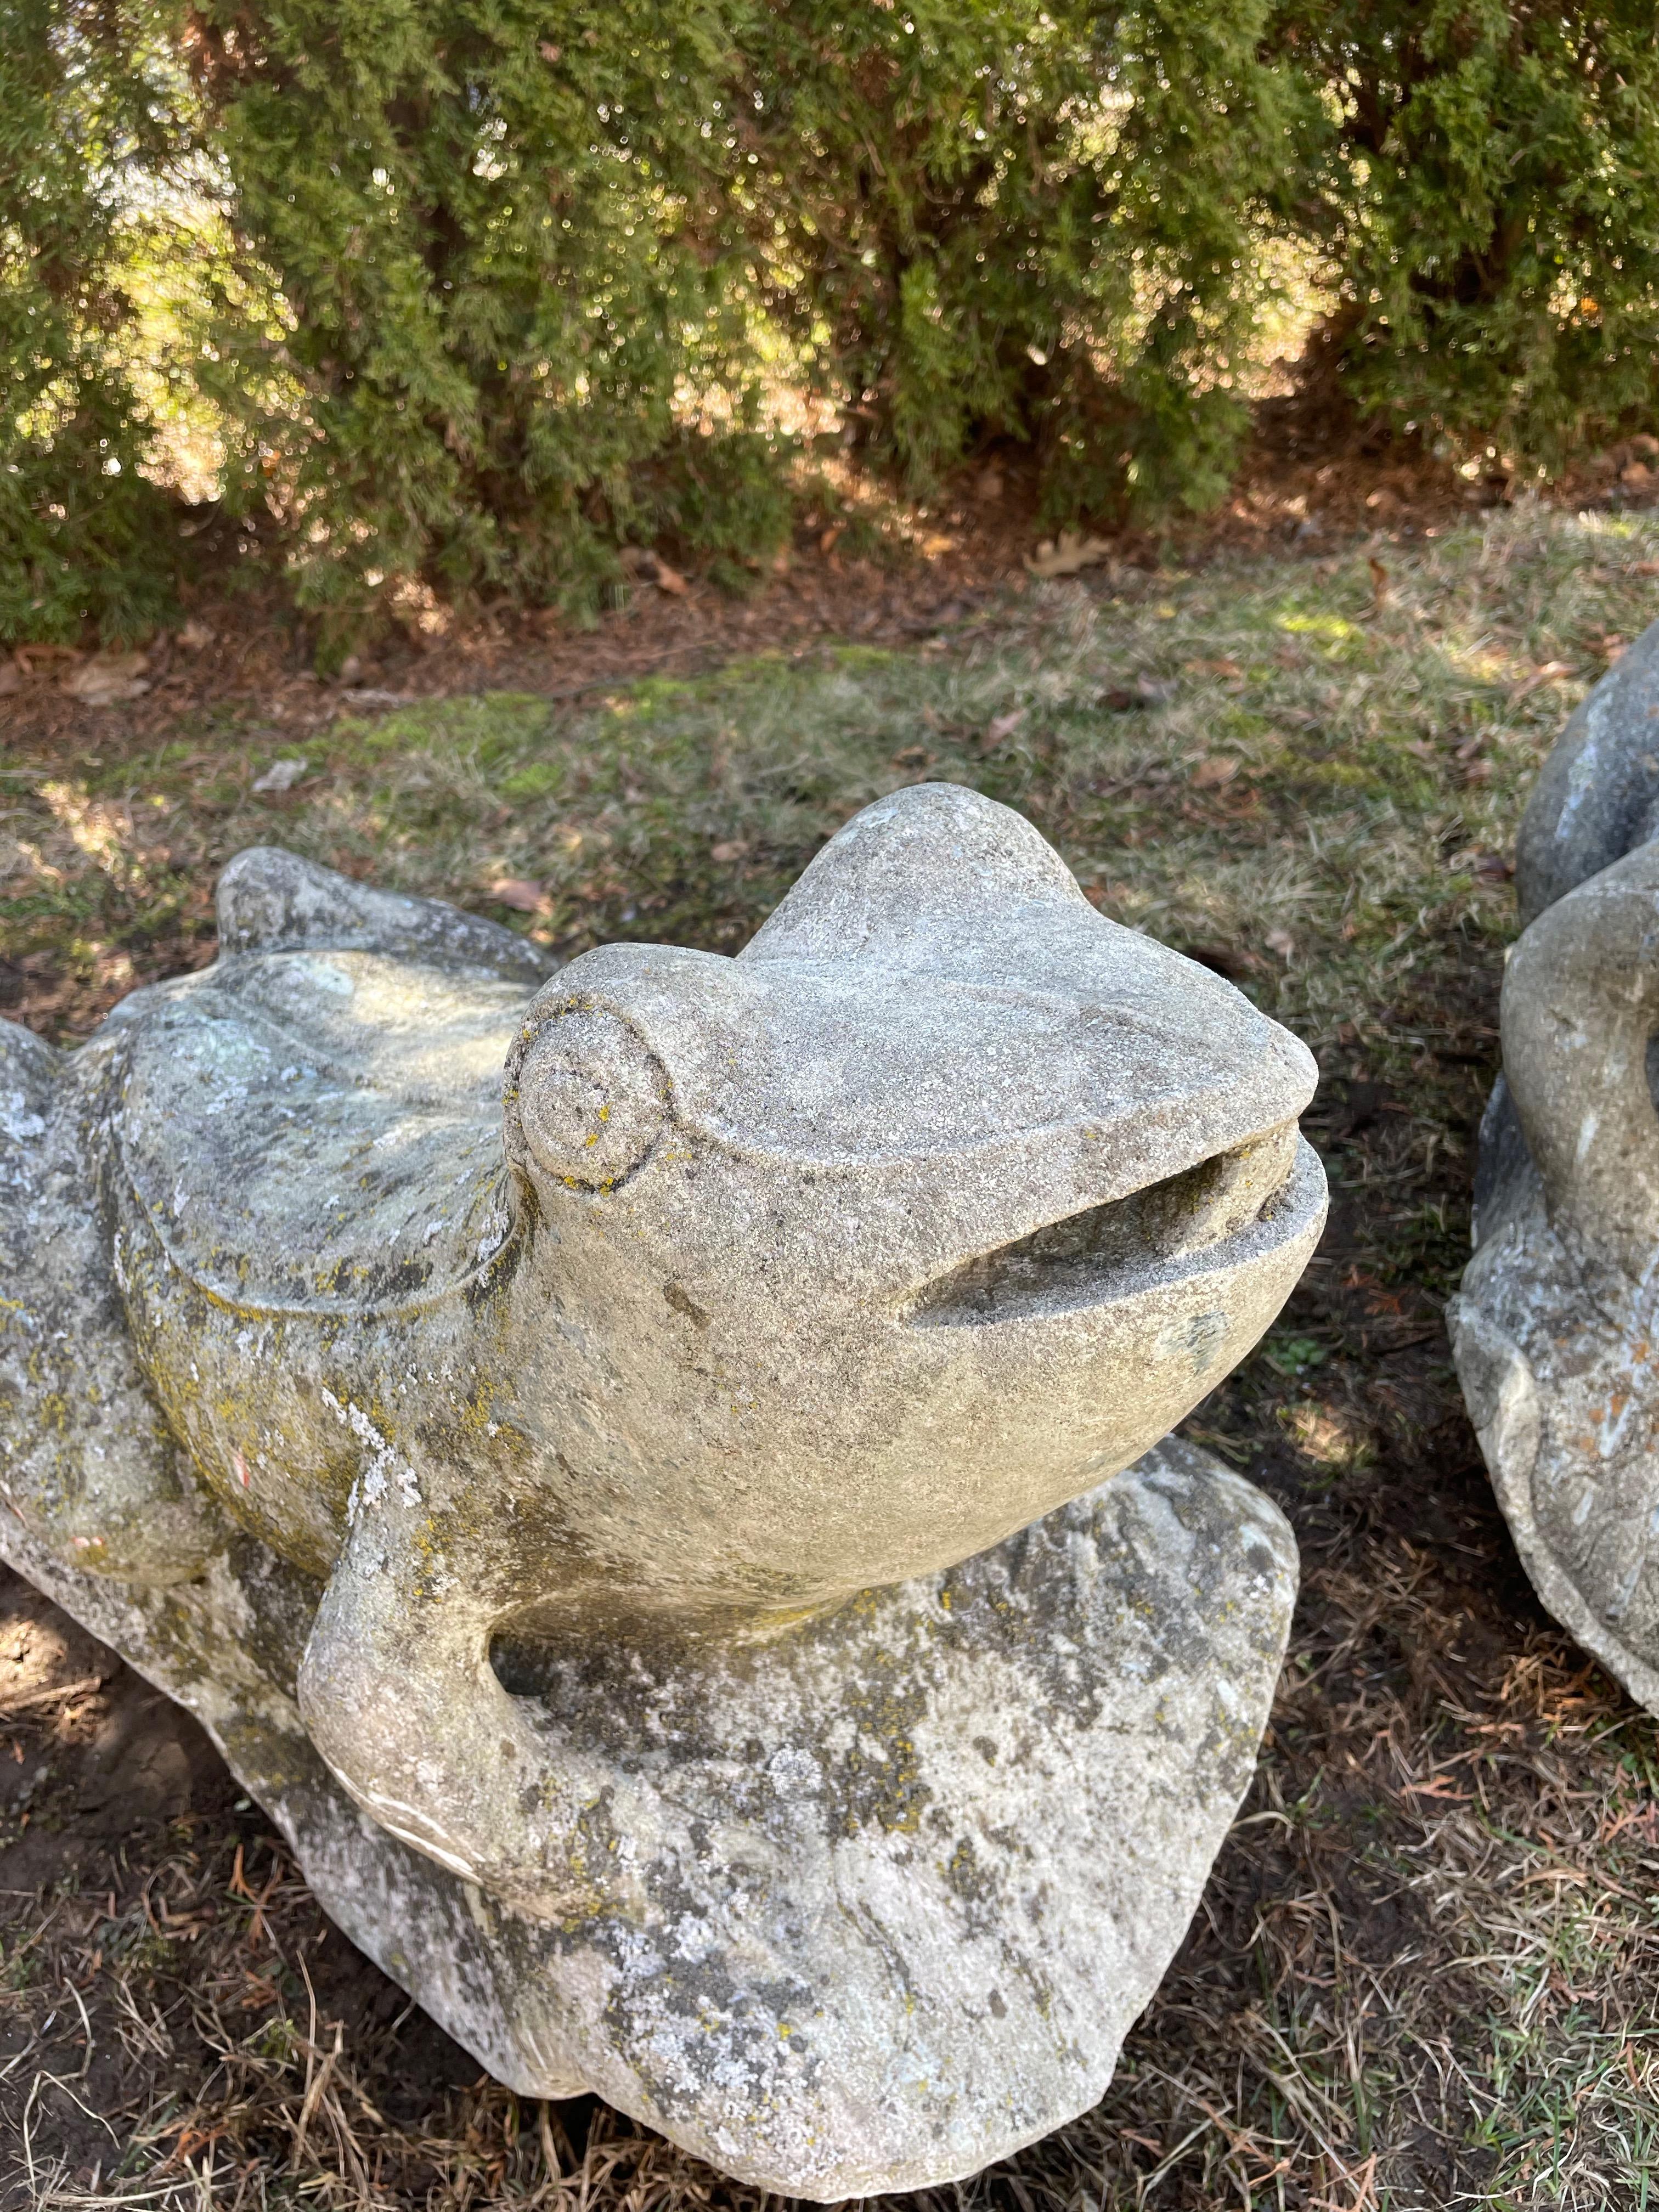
(591, 1098)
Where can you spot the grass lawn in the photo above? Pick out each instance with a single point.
(1425, 1971)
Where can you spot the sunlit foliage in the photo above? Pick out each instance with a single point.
(475, 291)
(83, 112)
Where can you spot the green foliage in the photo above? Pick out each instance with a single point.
(482, 289)
(83, 536)
(521, 244)
(502, 242)
(1037, 220)
(1490, 194)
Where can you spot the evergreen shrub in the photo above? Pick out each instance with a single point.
(1489, 200)
(86, 115)
(544, 266)
(515, 282)
(510, 273)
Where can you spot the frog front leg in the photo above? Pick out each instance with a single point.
(86, 1462)
(399, 1697)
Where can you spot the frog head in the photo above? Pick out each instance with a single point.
(935, 1206)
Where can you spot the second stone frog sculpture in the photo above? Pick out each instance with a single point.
(538, 1423)
(1556, 1330)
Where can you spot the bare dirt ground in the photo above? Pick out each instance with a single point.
(1423, 1972)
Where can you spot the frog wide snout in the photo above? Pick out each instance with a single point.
(1104, 1251)
(941, 1201)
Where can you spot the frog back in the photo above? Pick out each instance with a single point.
(308, 1183)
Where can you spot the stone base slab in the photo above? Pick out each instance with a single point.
(904, 1876)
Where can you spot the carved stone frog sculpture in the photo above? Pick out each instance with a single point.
(538, 1423)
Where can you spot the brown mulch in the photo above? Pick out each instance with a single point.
(1307, 485)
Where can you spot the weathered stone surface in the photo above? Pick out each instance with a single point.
(895, 1888)
(1597, 795)
(551, 1485)
(1555, 1330)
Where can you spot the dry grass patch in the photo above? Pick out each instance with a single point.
(1423, 1974)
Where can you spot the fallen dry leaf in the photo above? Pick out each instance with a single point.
(108, 679)
(1551, 672)
(1492, 868)
(195, 636)
(1382, 589)
(1636, 475)
(1210, 774)
(281, 776)
(522, 893)
(1228, 669)
(27, 655)
(729, 849)
(650, 568)
(1065, 555)
(1002, 726)
(1281, 942)
(830, 537)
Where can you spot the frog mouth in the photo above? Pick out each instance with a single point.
(1212, 1214)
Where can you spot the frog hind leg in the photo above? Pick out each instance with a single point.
(271, 901)
(88, 1465)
